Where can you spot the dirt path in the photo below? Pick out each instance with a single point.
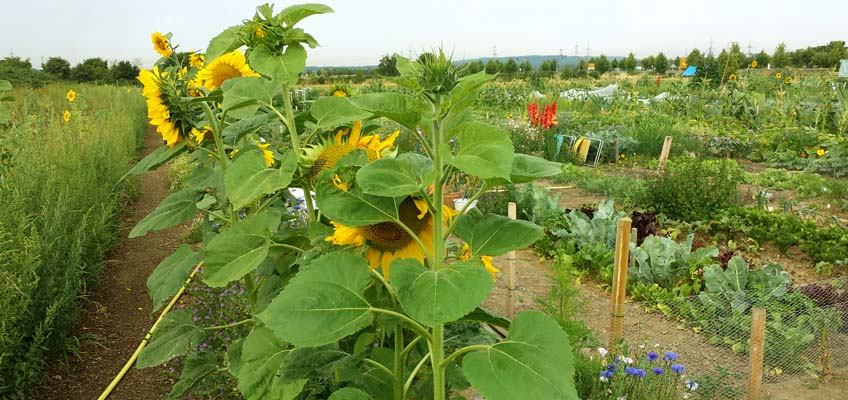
(119, 313)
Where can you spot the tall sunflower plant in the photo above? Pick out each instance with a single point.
(355, 303)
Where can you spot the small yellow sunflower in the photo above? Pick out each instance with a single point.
(196, 60)
(200, 134)
(732, 77)
(386, 241)
(230, 65)
(821, 152)
(778, 75)
(340, 90)
(71, 96)
(788, 80)
(465, 253)
(267, 154)
(754, 64)
(157, 110)
(66, 116)
(326, 154)
(161, 44)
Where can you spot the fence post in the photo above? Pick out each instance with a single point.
(619, 279)
(510, 278)
(664, 155)
(758, 336)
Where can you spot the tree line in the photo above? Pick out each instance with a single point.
(21, 72)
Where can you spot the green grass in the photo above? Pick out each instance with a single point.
(59, 214)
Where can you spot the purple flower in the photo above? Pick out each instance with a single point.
(637, 372)
(616, 360)
(611, 367)
(652, 356)
(606, 375)
(677, 368)
(658, 371)
(670, 356)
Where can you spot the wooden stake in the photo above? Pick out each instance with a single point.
(664, 155)
(510, 279)
(758, 336)
(619, 280)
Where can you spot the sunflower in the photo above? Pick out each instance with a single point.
(267, 154)
(326, 154)
(196, 60)
(157, 110)
(754, 64)
(778, 75)
(66, 116)
(732, 77)
(161, 44)
(821, 152)
(339, 90)
(71, 96)
(200, 134)
(230, 65)
(465, 253)
(386, 241)
(788, 80)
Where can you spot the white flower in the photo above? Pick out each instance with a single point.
(622, 398)
(627, 360)
(657, 345)
(691, 385)
(641, 346)
(602, 351)
(603, 378)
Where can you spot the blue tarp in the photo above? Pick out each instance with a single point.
(690, 71)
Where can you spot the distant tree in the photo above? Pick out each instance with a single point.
(493, 66)
(549, 66)
(511, 66)
(729, 60)
(836, 52)
(647, 62)
(424, 57)
(762, 58)
(475, 67)
(388, 66)
(123, 71)
(629, 63)
(90, 70)
(567, 72)
(58, 67)
(602, 65)
(780, 59)
(581, 65)
(661, 63)
(614, 64)
(709, 71)
(526, 67)
(695, 58)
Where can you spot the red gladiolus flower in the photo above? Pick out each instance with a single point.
(533, 114)
(549, 118)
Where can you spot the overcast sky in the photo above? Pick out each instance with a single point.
(361, 31)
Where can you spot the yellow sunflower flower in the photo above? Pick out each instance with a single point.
(387, 241)
(465, 254)
(161, 44)
(66, 116)
(200, 134)
(230, 65)
(326, 154)
(821, 152)
(788, 80)
(778, 75)
(754, 64)
(732, 77)
(157, 110)
(267, 154)
(71, 96)
(339, 93)
(196, 60)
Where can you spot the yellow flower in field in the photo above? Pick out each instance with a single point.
(196, 60)
(200, 135)
(230, 65)
(754, 64)
(339, 93)
(778, 75)
(71, 96)
(732, 77)
(161, 44)
(788, 80)
(157, 110)
(66, 116)
(387, 241)
(267, 154)
(339, 90)
(821, 152)
(326, 154)
(465, 253)
(170, 133)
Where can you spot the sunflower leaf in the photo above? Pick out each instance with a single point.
(244, 95)
(322, 303)
(262, 355)
(285, 68)
(436, 297)
(158, 157)
(350, 393)
(169, 276)
(225, 42)
(390, 177)
(331, 112)
(495, 235)
(197, 366)
(176, 208)
(352, 207)
(291, 15)
(534, 362)
(248, 179)
(526, 168)
(237, 251)
(485, 151)
(176, 335)
(401, 108)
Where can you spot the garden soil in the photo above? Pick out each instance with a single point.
(119, 311)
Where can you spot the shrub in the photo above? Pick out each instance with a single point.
(692, 189)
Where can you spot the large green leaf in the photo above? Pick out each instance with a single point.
(495, 235)
(248, 179)
(350, 393)
(283, 69)
(527, 168)
(170, 275)
(236, 251)
(175, 336)
(533, 362)
(196, 367)
(322, 303)
(291, 15)
(158, 157)
(352, 207)
(225, 42)
(401, 108)
(243, 126)
(331, 112)
(304, 362)
(436, 297)
(481, 314)
(244, 95)
(262, 354)
(390, 177)
(465, 92)
(176, 208)
(484, 151)
(410, 72)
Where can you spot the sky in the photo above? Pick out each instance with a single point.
(360, 32)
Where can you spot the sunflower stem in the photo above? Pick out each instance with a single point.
(399, 364)
(295, 139)
(438, 258)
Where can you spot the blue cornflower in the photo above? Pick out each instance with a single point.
(652, 356)
(670, 356)
(677, 368)
(630, 371)
(658, 371)
(606, 375)
(611, 367)
(615, 360)
(637, 372)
